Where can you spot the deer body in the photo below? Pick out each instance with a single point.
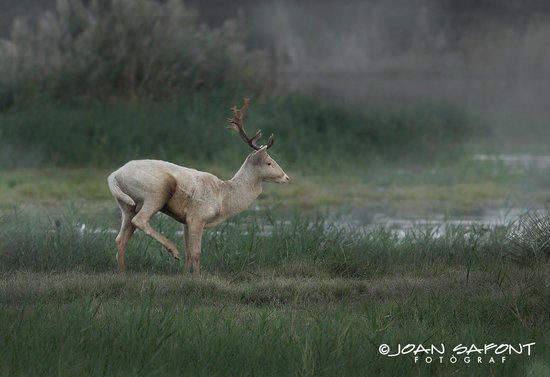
(183, 192)
(197, 199)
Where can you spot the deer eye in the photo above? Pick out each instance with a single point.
(269, 163)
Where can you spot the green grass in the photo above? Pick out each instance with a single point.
(305, 299)
(310, 133)
(303, 246)
(146, 324)
(463, 186)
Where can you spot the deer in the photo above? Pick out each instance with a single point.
(197, 199)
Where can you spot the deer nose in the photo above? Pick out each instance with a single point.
(286, 179)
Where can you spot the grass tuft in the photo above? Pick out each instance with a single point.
(531, 239)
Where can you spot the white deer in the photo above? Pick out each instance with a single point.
(197, 199)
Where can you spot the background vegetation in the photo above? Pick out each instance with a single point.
(100, 84)
(312, 133)
(125, 48)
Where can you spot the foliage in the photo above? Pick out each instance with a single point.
(129, 48)
(309, 132)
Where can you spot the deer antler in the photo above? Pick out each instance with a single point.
(236, 123)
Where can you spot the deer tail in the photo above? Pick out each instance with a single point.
(117, 192)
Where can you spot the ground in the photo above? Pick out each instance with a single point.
(282, 293)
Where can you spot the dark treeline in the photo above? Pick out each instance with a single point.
(446, 23)
(485, 38)
(458, 13)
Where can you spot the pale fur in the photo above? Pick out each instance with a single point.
(197, 199)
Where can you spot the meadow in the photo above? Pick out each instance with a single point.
(283, 297)
(285, 289)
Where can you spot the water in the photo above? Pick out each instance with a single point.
(438, 223)
(516, 161)
(366, 219)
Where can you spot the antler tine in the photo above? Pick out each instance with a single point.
(239, 114)
(236, 123)
(269, 142)
(244, 109)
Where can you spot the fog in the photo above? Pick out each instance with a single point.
(491, 57)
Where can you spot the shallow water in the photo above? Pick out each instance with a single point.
(366, 219)
(437, 223)
(488, 217)
(522, 161)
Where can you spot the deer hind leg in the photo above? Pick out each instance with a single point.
(141, 221)
(126, 231)
(193, 240)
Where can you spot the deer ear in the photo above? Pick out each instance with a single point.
(258, 156)
(261, 151)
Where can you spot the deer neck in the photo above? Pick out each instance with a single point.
(241, 191)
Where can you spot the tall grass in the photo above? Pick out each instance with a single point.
(168, 332)
(129, 48)
(298, 298)
(301, 246)
(531, 238)
(310, 133)
(277, 298)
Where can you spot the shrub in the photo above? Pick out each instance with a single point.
(133, 48)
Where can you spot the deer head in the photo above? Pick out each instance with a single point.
(258, 162)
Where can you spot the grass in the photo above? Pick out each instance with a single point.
(266, 243)
(462, 186)
(300, 297)
(147, 324)
(153, 325)
(311, 133)
(58, 244)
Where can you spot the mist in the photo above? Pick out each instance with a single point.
(490, 58)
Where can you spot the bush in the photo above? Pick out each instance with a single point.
(133, 48)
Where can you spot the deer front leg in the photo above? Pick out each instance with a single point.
(193, 239)
(187, 267)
